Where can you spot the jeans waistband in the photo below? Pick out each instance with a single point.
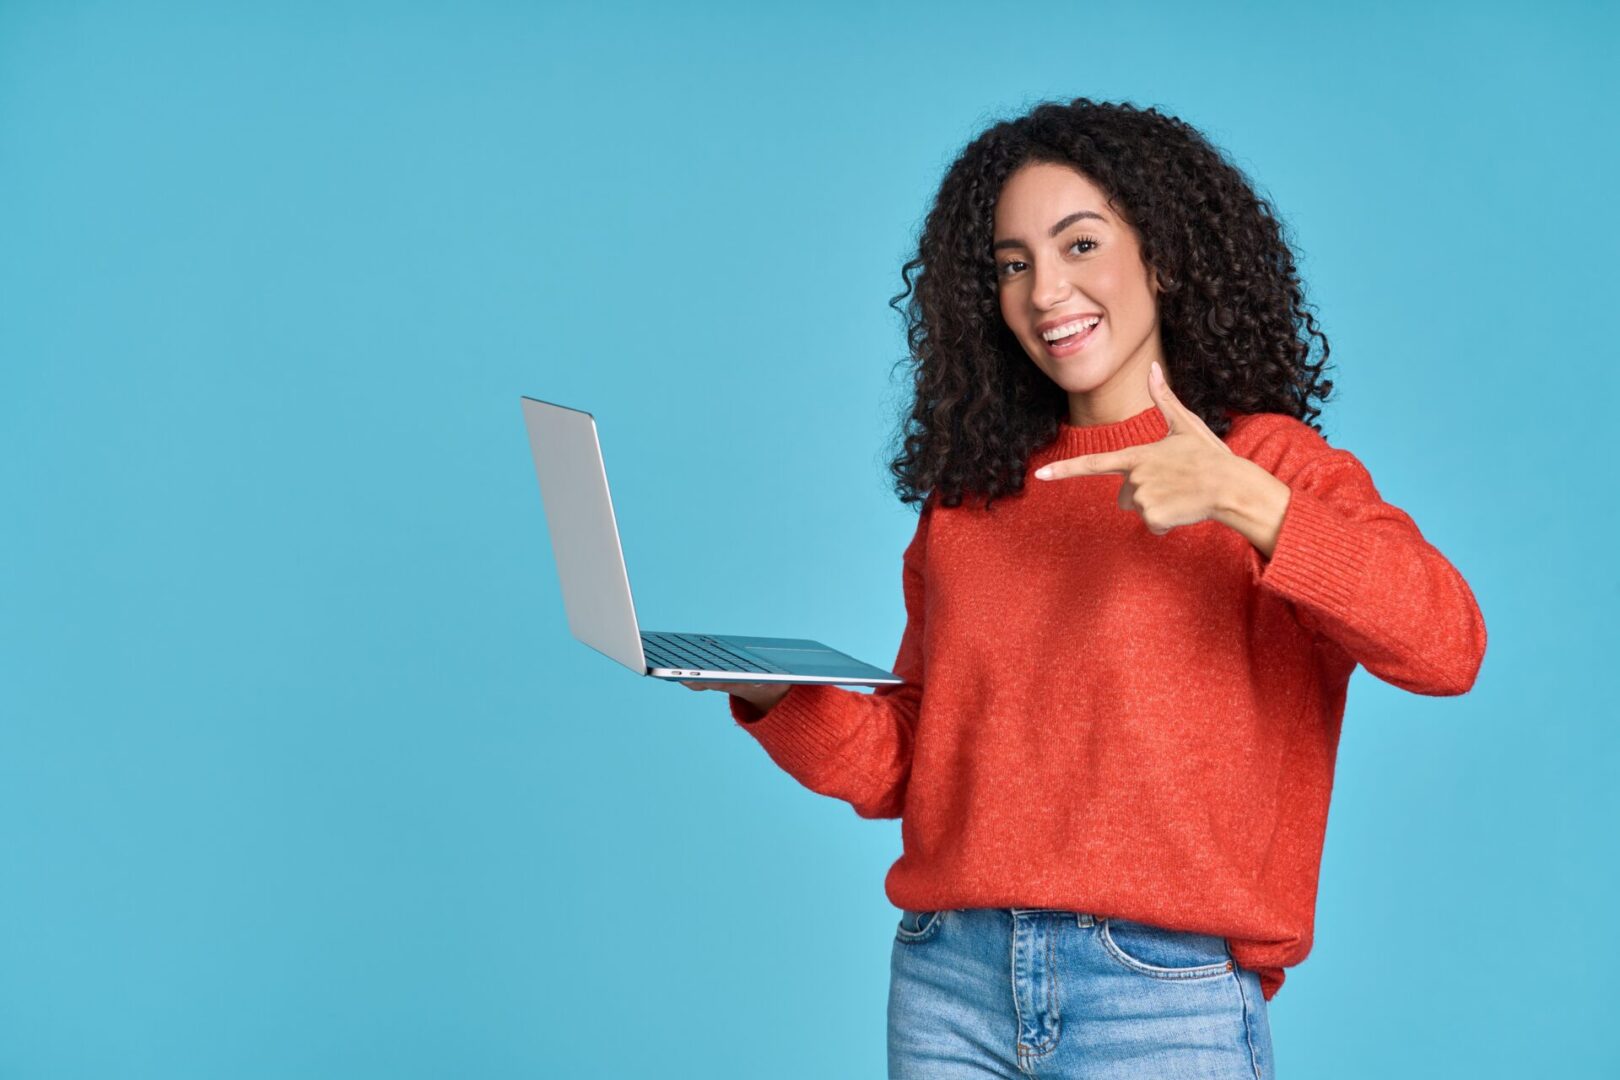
(1081, 918)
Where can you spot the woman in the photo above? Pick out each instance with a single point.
(1139, 583)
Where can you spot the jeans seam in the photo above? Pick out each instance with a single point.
(1012, 976)
(913, 937)
(1053, 998)
(1248, 1027)
(1044, 1048)
(1130, 963)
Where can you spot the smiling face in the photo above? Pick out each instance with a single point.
(1062, 255)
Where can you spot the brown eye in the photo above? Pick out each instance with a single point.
(1005, 268)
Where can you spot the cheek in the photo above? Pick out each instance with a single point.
(1126, 293)
(1106, 283)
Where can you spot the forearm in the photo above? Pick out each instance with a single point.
(1359, 572)
(1253, 503)
(762, 696)
(836, 742)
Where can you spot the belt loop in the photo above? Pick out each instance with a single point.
(1083, 919)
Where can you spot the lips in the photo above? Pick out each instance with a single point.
(1063, 320)
(1073, 343)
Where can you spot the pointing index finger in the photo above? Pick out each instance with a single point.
(1117, 461)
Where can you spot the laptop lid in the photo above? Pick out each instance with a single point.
(584, 532)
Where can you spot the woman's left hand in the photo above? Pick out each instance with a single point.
(1181, 479)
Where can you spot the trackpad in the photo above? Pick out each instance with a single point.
(805, 661)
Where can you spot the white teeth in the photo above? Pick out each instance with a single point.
(1076, 327)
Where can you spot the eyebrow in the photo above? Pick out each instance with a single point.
(1078, 215)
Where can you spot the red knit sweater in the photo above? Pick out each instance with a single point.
(1143, 727)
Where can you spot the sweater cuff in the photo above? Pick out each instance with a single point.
(1320, 559)
(801, 731)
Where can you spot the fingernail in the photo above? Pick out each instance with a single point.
(1044, 471)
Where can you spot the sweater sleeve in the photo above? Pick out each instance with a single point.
(1360, 574)
(848, 744)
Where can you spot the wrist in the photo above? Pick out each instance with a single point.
(1252, 501)
(766, 698)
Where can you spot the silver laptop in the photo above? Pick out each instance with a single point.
(596, 586)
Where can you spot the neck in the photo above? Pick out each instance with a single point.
(1086, 410)
(1122, 396)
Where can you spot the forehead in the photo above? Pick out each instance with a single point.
(1040, 193)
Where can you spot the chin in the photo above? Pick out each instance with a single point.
(1079, 377)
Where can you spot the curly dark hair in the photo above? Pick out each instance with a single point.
(1233, 321)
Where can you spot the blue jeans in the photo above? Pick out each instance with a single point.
(1020, 992)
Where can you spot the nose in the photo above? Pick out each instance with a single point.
(1051, 287)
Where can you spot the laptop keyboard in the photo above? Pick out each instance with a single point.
(698, 651)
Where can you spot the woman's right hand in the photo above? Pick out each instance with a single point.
(761, 695)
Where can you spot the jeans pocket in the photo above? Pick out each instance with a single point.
(917, 926)
(1164, 954)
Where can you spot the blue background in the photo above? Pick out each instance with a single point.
(300, 771)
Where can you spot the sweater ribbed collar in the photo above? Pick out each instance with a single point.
(1146, 426)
